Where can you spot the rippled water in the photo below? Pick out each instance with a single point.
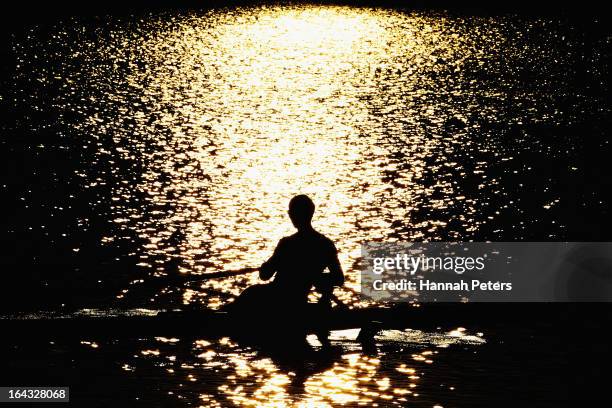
(344, 375)
(173, 142)
(138, 148)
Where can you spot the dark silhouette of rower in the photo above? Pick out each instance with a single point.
(298, 264)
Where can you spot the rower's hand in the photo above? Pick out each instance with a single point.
(266, 271)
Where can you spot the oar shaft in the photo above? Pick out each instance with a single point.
(226, 274)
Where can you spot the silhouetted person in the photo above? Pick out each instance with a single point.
(298, 264)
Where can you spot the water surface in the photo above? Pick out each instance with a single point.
(146, 147)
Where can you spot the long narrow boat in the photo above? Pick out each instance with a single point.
(141, 322)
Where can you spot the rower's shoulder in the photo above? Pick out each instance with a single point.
(324, 241)
(314, 235)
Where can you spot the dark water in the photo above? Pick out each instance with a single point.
(139, 148)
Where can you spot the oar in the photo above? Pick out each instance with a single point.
(187, 277)
(224, 274)
(157, 283)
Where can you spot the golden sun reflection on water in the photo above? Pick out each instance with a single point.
(343, 375)
(276, 121)
(239, 111)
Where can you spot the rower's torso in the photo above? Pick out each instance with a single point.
(303, 257)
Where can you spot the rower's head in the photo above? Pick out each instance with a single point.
(301, 210)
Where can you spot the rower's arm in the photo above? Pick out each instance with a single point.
(335, 277)
(327, 281)
(269, 268)
(335, 271)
